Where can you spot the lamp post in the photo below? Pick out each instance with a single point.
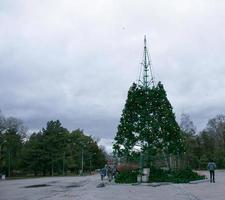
(83, 145)
(91, 156)
(9, 154)
(82, 160)
(141, 161)
(1, 151)
(82, 157)
(2, 145)
(64, 163)
(141, 155)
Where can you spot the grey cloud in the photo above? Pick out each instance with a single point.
(75, 60)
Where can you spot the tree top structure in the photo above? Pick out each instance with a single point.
(146, 77)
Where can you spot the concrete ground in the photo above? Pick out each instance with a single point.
(84, 188)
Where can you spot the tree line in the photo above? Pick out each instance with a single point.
(148, 123)
(205, 145)
(52, 151)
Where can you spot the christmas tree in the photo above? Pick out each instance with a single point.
(147, 119)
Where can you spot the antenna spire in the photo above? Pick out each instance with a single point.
(147, 67)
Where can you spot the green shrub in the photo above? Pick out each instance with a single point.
(127, 176)
(160, 175)
(175, 176)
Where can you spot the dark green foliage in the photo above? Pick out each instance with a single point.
(203, 161)
(35, 158)
(93, 155)
(55, 140)
(127, 176)
(12, 151)
(12, 133)
(52, 151)
(160, 175)
(175, 176)
(148, 118)
(56, 151)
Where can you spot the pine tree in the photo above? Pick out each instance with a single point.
(126, 138)
(169, 130)
(148, 119)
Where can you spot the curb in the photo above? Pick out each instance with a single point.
(199, 181)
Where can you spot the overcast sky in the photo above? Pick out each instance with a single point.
(74, 60)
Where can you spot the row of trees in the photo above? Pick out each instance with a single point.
(52, 151)
(148, 123)
(208, 144)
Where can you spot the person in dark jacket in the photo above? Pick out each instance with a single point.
(211, 167)
(109, 173)
(102, 173)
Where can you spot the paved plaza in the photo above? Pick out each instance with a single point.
(84, 188)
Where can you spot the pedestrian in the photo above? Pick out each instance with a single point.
(211, 167)
(113, 172)
(102, 173)
(109, 173)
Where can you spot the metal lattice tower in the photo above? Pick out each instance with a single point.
(146, 69)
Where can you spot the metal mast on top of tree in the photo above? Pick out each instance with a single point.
(147, 67)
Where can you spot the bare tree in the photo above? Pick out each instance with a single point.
(187, 125)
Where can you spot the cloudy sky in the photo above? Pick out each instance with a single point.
(74, 60)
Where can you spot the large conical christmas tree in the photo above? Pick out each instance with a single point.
(147, 119)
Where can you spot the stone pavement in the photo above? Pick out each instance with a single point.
(84, 188)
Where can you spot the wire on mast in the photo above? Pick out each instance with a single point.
(147, 67)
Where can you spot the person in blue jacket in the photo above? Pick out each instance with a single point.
(211, 167)
(102, 173)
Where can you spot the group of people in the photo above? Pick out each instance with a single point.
(108, 171)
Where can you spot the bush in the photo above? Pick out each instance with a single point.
(127, 176)
(175, 176)
(160, 175)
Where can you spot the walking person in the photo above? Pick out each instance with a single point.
(109, 173)
(211, 167)
(102, 173)
(114, 172)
